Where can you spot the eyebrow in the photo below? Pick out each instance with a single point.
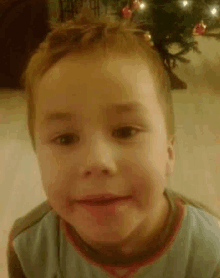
(130, 107)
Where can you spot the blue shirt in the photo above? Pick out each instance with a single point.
(40, 245)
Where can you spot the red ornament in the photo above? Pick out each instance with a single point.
(127, 13)
(199, 29)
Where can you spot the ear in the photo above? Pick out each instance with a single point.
(171, 156)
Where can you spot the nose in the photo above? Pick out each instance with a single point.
(98, 161)
(98, 169)
(95, 172)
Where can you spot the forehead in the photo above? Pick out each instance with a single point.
(91, 82)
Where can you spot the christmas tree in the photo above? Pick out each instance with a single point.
(172, 22)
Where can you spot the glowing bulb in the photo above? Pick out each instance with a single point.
(142, 6)
(185, 3)
(214, 11)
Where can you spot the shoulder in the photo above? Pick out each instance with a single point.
(190, 202)
(40, 223)
(33, 231)
(200, 234)
(33, 239)
(200, 218)
(204, 240)
(31, 219)
(204, 225)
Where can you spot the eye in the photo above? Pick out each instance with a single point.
(65, 139)
(124, 133)
(127, 131)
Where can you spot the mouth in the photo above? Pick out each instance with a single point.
(110, 208)
(100, 202)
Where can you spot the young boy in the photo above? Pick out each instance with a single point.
(108, 212)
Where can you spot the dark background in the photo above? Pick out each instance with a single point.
(23, 25)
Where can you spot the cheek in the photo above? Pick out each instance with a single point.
(52, 175)
(143, 192)
(50, 166)
(148, 183)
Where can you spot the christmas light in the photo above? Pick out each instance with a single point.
(214, 11)
(185, 3)
(142, 6)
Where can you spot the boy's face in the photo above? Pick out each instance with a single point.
(99, 155)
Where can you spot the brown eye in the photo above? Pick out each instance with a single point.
(124, 133)
(127, 131)
(64, 140)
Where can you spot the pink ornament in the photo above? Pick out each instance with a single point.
(199, 29)
(127, 13)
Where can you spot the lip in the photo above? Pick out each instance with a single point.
(101, 201)
(99, 198)
(108, 208)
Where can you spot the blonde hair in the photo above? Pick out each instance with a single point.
(87, 35)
